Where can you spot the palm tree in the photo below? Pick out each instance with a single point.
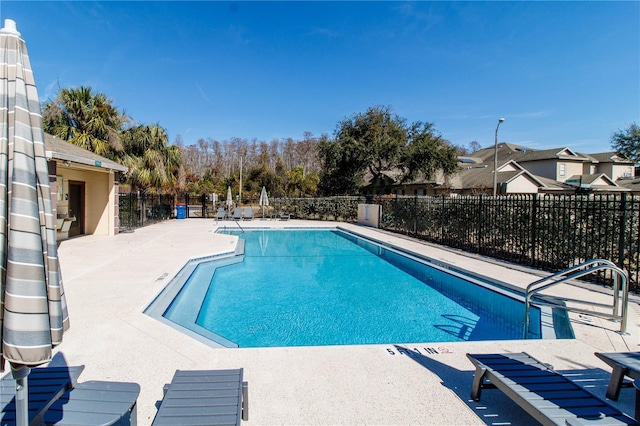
(86, 119)
(152, 163)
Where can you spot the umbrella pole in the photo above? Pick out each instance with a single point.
(20, 374)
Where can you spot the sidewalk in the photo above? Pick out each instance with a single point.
(110, 280)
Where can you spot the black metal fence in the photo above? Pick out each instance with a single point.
(548, 232)
(136, 210)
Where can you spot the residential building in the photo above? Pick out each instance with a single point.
(558, 164)
(519, 170)
(612, 164)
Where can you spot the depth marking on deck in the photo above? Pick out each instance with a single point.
(400, 350)
(162, 277)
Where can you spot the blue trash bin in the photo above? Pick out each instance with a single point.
(181, 211)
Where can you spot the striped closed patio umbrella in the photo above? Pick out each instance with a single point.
(229, 199)
(33, 311)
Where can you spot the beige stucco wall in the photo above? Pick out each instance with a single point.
(613, 170)
(547, 168)
(551, 168)
(617, 171)
(571, 169)
(600, 182)
(99, 196)
(522, 185)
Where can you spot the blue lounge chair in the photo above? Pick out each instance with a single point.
(549, 397)
(237, 213)
(222, 213)
(248, 213)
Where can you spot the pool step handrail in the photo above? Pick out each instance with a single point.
(224, 227)
(620, 293)
(236, 221)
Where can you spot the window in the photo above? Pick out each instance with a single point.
(562, 169)
(594, 169)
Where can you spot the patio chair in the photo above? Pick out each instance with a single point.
(222, 213)
(248, 213)
(284, 216)
(96, 403)
(211, 397)
(548, 396)
(237, 213)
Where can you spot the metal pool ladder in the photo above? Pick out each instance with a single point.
(620, 292)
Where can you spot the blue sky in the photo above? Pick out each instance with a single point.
(561, 73)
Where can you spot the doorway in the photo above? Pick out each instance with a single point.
(76, 207)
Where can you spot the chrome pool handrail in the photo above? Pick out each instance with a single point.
(620, 284)
(236, 221)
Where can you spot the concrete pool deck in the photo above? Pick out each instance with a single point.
(110, 280)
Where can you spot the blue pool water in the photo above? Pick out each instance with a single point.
(328, 287)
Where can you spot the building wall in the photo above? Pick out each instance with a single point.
(591, 168)
(571, 169)
(614, 170)
(116, 206)
(617, 171)
(556, 169)
(99, 198)
(522, 185)
(546, 168)
(53, 187)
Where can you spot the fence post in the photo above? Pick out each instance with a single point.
(442, 219)
(415, 215)
(623, 224)
(534, 212)
(479, 224)
(143, 206)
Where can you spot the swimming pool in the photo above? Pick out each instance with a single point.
(332, 287)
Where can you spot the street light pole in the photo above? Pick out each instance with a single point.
(495, 159)
(240, 187)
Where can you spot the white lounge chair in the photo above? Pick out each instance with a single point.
(222, 213)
